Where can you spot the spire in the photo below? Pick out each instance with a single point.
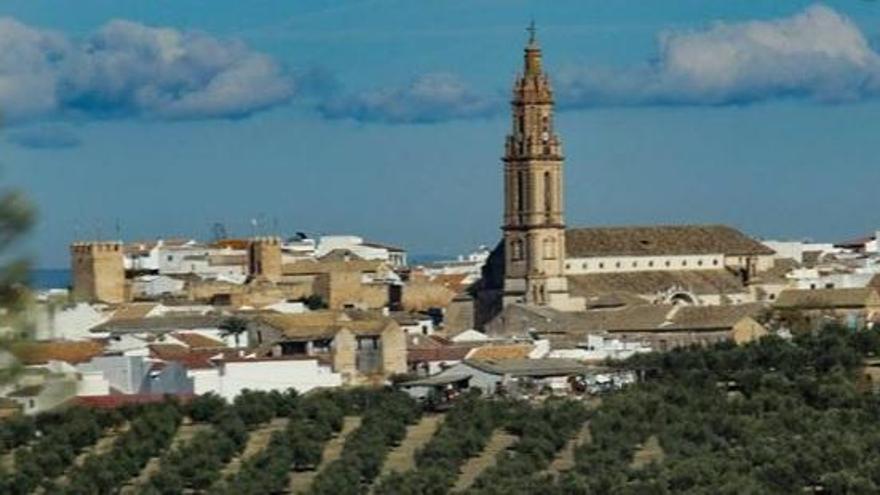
(533, 52)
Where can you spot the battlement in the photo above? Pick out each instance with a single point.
(266, 240)
(91, 247)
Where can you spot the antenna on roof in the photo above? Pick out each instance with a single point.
(218, 231)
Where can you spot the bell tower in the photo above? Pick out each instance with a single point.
(534, 224)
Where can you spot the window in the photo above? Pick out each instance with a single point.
(700, 263)
(568, 266)
(714, 262)
(601, 265)
(585, 266)
(170, 257)
(829, 286)
(635, 264)
(684, 263)
(520, 191)
(651, 264)
(668, 263)
(549, 248)
(548, 193)
(516, 248)
(617, 265)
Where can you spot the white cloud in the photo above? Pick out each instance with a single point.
(128, 69)
(429, 98)
(817, 54)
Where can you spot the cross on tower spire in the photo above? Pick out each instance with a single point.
(532, 31)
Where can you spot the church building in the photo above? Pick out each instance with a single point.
(540, 262)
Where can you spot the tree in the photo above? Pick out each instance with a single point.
(16, 218)
(234, 326)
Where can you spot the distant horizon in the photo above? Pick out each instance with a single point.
(380, 118)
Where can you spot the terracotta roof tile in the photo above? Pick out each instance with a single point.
(443, 353)
(133, 311)
(73, 352)
(501, 352)
(827, 298)
(660, 240)
(653, 282)
(195, 340)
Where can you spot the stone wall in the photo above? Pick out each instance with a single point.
(346, 289)
(98, 272)
(419, 295)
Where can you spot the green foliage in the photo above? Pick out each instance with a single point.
(63, 436)
(206, 408)
(463, 434)
(234, 326)
(16, 431)
(149, 434)
(386, 415)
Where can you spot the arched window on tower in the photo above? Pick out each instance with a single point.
(548, 195)
(550, 248)
(520, 193)
(516, 248)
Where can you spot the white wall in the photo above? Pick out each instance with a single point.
(617, 264)
(599, 348)
(124, 373)
(302, 375)
(92, 383)
(195, 259)
(156, 285)
(795, 249)
(66, 323)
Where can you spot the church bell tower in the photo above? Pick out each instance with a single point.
(534, 224)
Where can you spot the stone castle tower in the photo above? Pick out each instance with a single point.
(534, 223)
(98, 272)
(264, 259)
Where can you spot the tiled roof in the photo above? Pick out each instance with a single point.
(501, 351)
(320, 324)
(133, 311)
(530, 367)
(777, 274)
(73, 352)
(442, 353)
(826, 298)
(660, 240)
(160, 323)
(643, 318)
(195, 340)
(114, 401)
(699, 282)
(231, 243)
(338, 260)
(167, 351)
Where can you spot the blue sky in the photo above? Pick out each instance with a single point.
(386, 118)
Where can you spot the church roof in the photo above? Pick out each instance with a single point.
(700, 282)
(660, 240)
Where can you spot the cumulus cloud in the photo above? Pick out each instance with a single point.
(817, 54)
(45, 137)
(428, 98)
(128, 69)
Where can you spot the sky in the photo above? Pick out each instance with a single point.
(386, 118)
